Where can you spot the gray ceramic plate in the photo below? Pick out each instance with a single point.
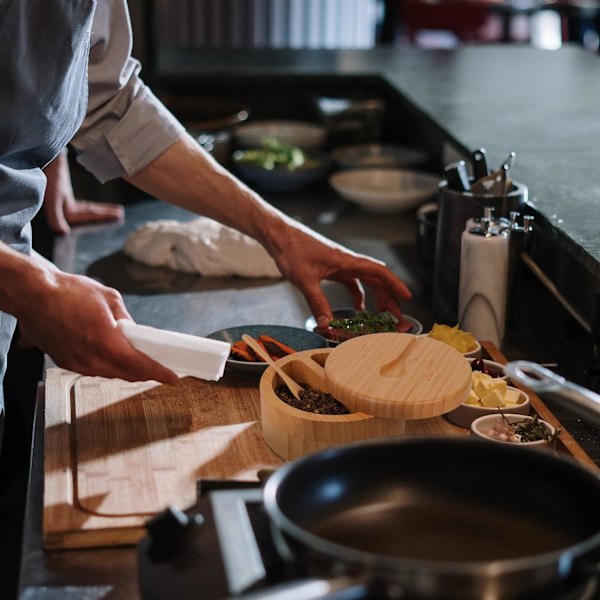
(295, 337)
(342, 313)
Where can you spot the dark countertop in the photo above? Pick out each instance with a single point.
(541, 104)
(443, 88)
(178, 301)
(182, 302)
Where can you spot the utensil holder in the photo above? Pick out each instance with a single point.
(454, 208)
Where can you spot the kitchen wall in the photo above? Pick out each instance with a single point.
(267, 23)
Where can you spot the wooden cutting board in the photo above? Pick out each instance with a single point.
(398, 376)
(117, 453)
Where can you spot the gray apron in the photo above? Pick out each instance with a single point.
(43, 99)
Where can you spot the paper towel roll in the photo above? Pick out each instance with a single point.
(482, 285)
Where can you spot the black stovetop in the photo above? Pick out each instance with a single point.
(222, 547)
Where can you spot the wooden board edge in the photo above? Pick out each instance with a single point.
(58, 489)
(565, 442)
(87, 539)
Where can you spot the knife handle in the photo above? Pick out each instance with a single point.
(457, 176)
(480, 164)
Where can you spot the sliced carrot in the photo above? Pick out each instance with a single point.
(241, 351)
(275, 347)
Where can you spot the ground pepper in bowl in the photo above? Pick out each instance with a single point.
(312, 400)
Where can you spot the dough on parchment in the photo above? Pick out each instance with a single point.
(201, 246)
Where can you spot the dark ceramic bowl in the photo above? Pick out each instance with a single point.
(343, 313)
(281, 179)
(295, 337)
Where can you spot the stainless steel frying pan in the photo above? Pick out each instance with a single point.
(441, 518)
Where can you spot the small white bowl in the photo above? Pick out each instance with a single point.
(492, 366)
(466, 414)
(487, 422)
(385, 190)
(475, 353)
(307, 136)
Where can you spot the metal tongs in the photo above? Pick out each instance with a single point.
(496, 183)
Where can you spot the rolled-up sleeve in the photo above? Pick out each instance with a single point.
(126, 126)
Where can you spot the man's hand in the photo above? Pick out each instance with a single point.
(306, 258)
(62, 209)
(77, 327)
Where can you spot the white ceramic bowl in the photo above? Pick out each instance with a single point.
(307, 136)
(487, 422)
(365, 156)
(475, 353)
(465, 414)
(385, 190)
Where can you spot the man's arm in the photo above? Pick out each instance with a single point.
(185, 175)
(129, 133)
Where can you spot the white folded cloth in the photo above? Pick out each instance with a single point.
(183, 353)
(201, 246)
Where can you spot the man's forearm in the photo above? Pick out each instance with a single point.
(18, 272)
(188, 177)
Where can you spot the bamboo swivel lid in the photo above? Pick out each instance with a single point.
(398, 376)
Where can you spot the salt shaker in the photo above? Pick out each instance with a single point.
(483, 281)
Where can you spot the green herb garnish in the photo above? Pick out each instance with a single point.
(530, 430)
(275, 154)
(365, 321)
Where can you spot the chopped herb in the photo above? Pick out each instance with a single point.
(365, 321)
(530, 430)
(275, 154)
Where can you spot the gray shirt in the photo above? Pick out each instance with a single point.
(50, 48)
(126, 126)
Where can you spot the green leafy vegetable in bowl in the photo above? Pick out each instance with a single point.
(364, 322)
(275, 154)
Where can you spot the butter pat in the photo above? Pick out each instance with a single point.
(483, 384)
(472, 398)
(185, 354)
(493, 399)
(512, 397)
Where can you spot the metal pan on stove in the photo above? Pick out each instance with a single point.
(439, 518)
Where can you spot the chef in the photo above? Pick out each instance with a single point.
(67, 75)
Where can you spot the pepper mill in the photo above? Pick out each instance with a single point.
(483, 282)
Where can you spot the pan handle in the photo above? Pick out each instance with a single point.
(547, 383)
(312, 588)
